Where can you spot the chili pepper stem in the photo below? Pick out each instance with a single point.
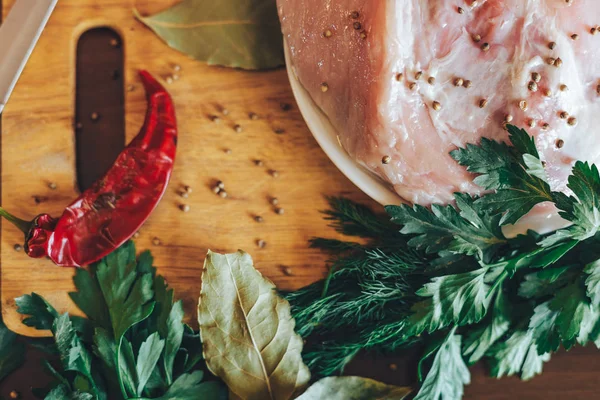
(23, 225)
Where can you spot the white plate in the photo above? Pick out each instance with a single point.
(327, 137)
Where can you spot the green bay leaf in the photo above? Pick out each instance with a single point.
(242, 34)
(353, 388)
(248, 332)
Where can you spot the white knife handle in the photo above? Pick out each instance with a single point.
(18, 35)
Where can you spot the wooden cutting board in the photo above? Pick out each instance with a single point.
(38, 147)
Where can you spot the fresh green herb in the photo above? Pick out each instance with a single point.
(228, 32)
(448, 278)
(133, 343)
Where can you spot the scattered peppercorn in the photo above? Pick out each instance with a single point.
(531, 123)
(130, 88)
(574, 36)
(593, 30)
(393, 367)
(14, 394)
(436, 106)
(169, 79)
(258, 163)
(287, 270)
(220, 185)
(485, 47)
(274, 201)
(261, 243)
(431, 80)
(476, 38)
(412, 85)
(357, 26)
(458, 82)
(324, 87)
(225, 111)
(363, 34)
(184, 207)
(547, 92)
(545, 126)
(227, 151)
(274, 173)
(536, 77)
(532, 86)
(560, 143)
(386, 159)
(523, 105)
(279, 131)
(176, 78)
(18, 247)
(552, 45)
(223, 194)
(327, 33)
(176, 68)
(399, 77)
(114, 43)
(460, 10)
(558, 63)
(216, 190)
(237, 128)
(564, 88)
(483, 103)
(563, 115)
(156, 241)
(187, 188)
(508, 118)
(285, 106)
(52, 185)
(419, 75)
(544, 164)
(94, 116)
(258, 218)
(78, 125)
(279, 211)
(253, 116)
(354, 14)
(551, 61)
(572, 121)
(467, 84)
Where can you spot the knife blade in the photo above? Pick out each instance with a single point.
(19, 34)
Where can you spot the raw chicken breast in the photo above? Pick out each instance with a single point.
(414, 79)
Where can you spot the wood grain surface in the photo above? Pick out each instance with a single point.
(38, 147)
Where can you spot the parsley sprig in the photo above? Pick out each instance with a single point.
(447, 277)
(133, 343)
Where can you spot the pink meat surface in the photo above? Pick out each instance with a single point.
(380, 68)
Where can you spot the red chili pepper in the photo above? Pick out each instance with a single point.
(113, 209)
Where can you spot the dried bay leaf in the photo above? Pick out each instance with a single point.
(353, 388)
(248, 332)
(233, 33)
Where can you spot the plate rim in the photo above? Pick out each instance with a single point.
(328, 139)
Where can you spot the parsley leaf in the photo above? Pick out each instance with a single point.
(508, 170)
(41, 314)
(583, 208)
(448, 373)
(148, 355)
(463, 230)
(483, 336)
(592, 282)
(561, 318)
(459, 299)
(516, 355)
(169, 324)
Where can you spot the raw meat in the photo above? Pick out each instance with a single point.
(414, 79)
